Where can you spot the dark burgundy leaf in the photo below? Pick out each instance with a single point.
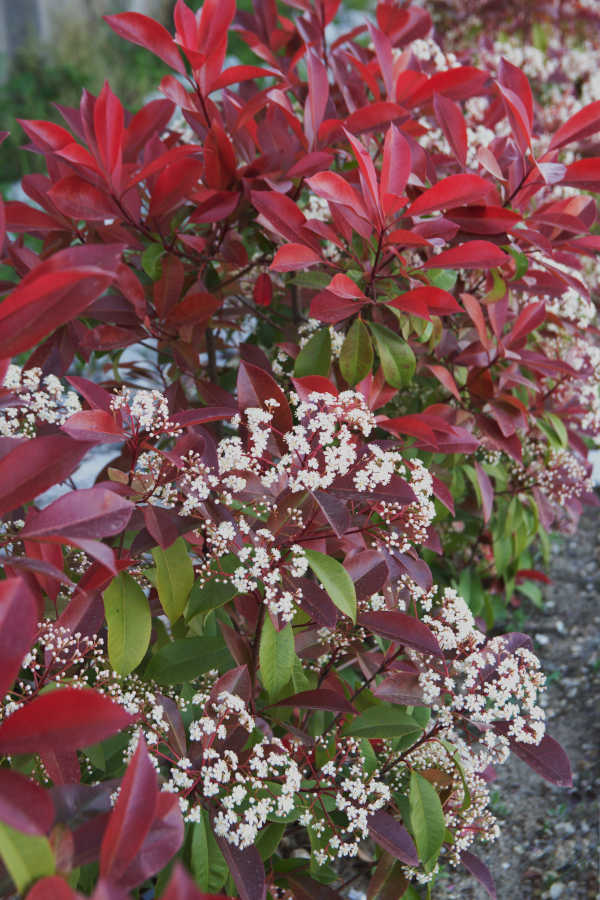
(393, 837)
(335, 511)
(18, 625)
(91, 513)
(480, 871)
(24, 805)
(160, 844)
(402, 628)
(247, 870)
(320, 698)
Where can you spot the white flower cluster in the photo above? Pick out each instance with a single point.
(146, 410)
(37, 398)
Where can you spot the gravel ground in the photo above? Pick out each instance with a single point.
(549, 845)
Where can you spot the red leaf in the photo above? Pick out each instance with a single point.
(94, 426)
(393, 837)
(182, 887)
(55, 292)
(446, 378)
(368, 176)
(513, 78)
(308, 384)
(235, 74)
(475, 312)
(480, 871)
(52, 888)
(583, 124)
(471, 255)
(335, 511)
(65, 719)
(334, 188)
(160, 845)
(21, 217)
(455, 190)
(529, 319)
(202, 416)
(254, 386)
(373, 115)
(281, 212)
(318, 94)
(145, 32)
(422, 301)
(24, 805)
(484, 219)
(132, 816)
(18, 625)
(109, 130)
(36, 465)
(395, 169)
(487, 492)
(460, 83)
(291, 257)
(547, 758)
(247, 870)
(321, 698)
(452, 122)
(369, 572)
(263, 290)
(402, 628)
(89, 513)
(584, 174)
(342, 286)
(78, 199)
(331, 308)
(518, 117)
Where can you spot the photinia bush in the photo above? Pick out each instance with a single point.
(299, 370)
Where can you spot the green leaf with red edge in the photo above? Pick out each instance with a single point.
(132, 816)
(65, 719)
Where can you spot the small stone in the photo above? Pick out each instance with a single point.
(557, 890)
(542, 639)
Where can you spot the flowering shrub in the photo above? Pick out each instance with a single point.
(297, 377)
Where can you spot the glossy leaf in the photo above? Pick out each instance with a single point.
(24, 805)
(335, 580)
(393, 837)
(129, 622)
(397, 358)
(356, 355)
(184, 659)
(174, 577)
(18, 627)
(276, 656)
(456, 190)
(147, 33)
(400, 627)
(315, 357)
(64, 719)
(89, 513)
(384, 721)
(291, 257)
(426, 819)
(26, 856)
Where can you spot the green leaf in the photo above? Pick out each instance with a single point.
(356, 356)
(27, 857)
(383, 721)
(335, 580)
(443, 278)
(397, 359)
(454, 755)
(152, 261)
(211, 595)
(184, 659)
(426, 819)
(207, 863)
(315, 356)
(174, 577)
(268, 839)
(129, 623)
(521, 262)
(317, 280)
(276, 656)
